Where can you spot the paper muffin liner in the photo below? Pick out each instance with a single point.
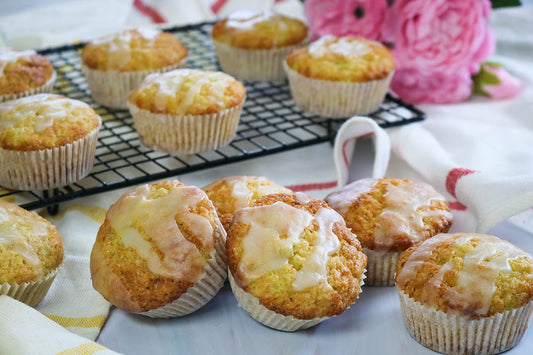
(186, 134)
(48, 168)
(203, 290)
(47, 87)
(336, 99)
(31, 292)
(263, 315)
(253, 64)
(456, 334)
(381, 267)
(111, 88)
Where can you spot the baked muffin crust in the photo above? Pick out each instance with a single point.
(391, 214)
(470, 274)
(44, 121)
(22, 71)
(296, 256)
(235, 192)
(30, 246)
(259, 30)
(348, 59)
(188, 92)
(138, 49)
(154, 245)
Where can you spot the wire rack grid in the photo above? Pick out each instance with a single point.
(270, 123)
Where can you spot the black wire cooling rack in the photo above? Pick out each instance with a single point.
(270, 123)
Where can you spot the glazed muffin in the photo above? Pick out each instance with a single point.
(466, 293)
(235, 192)
(160, 251)
(46, 141)
(388, 216)
(115, 64)
(339, 77)
(293, 262)
(187, 111)
(251, 45)
(31, 251)
(24, 73)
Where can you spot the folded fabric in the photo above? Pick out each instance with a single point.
(26, 331)
(478, 200)
(71, 301)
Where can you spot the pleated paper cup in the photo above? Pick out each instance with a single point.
(186, 134)
(253, 64)
(457, 334)
(111, 88)
(381, 267)
(30, 293)
(203, 290)
(336, 99)
(48, 168)
(267, 317)
(46, 88)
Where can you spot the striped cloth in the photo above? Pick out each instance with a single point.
(71, 301)
(25, 331)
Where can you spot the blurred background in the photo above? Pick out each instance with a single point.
(36, 24)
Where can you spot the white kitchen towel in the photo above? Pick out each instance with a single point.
(26, 331)
(479, 200)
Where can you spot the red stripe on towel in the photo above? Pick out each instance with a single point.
(217, 5)
(451, 182)
(149, 11)
(313, 186)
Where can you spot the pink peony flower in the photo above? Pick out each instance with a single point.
(425, 86)
(362, 18)
(444, 35)
(496, 82)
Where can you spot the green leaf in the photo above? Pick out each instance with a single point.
(505, 3)
(484, 78)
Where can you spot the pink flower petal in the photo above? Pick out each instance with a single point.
(422, 86)
(508, 87)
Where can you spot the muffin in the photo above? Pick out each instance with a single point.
(46, 141)
(293, 262)
(235, 192)
(160, 251)
(24, 73)
(339, 77)
(115, 64)
(31, 251)
(466, 293)
(251, 45)
(187, 111)
(388, 216)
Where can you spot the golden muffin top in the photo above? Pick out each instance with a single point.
(188, 91)
(296, 255)
(44, 121)
(138, 49)
(259, 30)
(154, 244)
(391, 214)
(30, 246)
(475, 275)
(21, 71)
(350, 59)
(232, 193)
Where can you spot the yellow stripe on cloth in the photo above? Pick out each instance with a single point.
(82, 322)
(10, 198)
(84, 349)
(96, 213)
